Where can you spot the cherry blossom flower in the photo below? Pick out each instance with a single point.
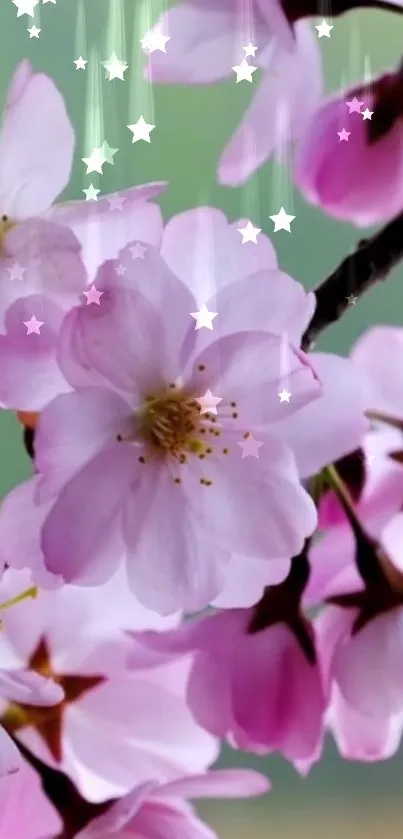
(339, 174)
(115, 727)
(206, 42)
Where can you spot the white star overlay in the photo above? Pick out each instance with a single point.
(249, 233)
(115, 68)
(204, 317)
(244, 71)
(141, 130)
(282, 220)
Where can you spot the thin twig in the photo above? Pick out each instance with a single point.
(371, 262)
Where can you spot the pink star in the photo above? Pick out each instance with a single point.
(354, 106)
(115, 201)
(343, 135)
(208, 403)
(93, 296)
(33, 326)
(250, 447)
(367, 114)
(138, 251)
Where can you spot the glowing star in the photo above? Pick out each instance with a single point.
(95, 161)
(354, 106)
(208, 403)
(249, 233)
(367, 114)
(121, 270)
(34, 32)
(141, 130)
(93, 296)
(284, 395)
(324, 29)
(351, 300)
(137, 251)
(108, 152)
(16, 272)
(244, 71)
(250, 447)
(115, 201)
(249, 50)
(115, 68)
(154, 41)
(91, 193)
(33, 326)
(80, 63)
(343, 135)
(282, 221)
(25, 7)
(49, 1)
(204, 317)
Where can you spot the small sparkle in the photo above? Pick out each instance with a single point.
(284, 395)
(33, 326)
(250, 447)
(93, 296)
(208, 403)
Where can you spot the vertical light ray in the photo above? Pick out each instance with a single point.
(285, 377)
(141, 97)
(115, 35)
(355, 53)
(80, 37)
(282, 190)
(244, 31)
(93, 138)
(203, 265)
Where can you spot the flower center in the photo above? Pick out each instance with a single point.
(171, 423)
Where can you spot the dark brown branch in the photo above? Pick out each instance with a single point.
(371, 263)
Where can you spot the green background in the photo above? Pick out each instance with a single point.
(192, 127)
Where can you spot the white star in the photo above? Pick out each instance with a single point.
(284, 396)
(109, 152)
(80, 63)
(282, 221)
(115, 68)
(141, 130)
(138, 251)
(49, 1)
(324, 29)
(367, 114)
(352, 299)
(208, 403)
(34, 32)
(249, 50)
(154, 41)
(121, 270)
(95, 161)
(91, 193)
(249, 233)
(25, 7)
(204, 317)
(33, 326)
(244, 71)
(16, 272)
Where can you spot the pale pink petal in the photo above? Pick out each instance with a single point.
(89, 551)
(209, 693)
(254, 506)
(10, 759)
(278, 695)
(289, 91)
(20, 546)
(119, 814)
(190, 573)
(268, 300)
(146, 355)
(29, 374)
(232, 370)
(391, 539)
(19, 80)
(338, 412)
(206, 252)
(73, 429)
(51, 256)
(32, 175)
(246, 578)
(360, 737)
(103, 231)
(370, 659)
(25, 809)
(376, 353)
(219, 783)
(206, 41)
(29, 688)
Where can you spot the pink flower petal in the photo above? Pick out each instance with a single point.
(29, 688)
(32, 175)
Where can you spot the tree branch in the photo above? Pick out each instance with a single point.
(370, 263)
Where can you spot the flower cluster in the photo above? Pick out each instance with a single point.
(209, 549)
